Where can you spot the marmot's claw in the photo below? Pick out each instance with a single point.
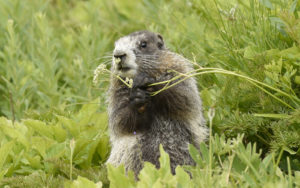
(138, 97)
(143, 81)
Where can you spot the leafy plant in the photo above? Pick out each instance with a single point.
(246, 57)
(59, 148)
(233, 164)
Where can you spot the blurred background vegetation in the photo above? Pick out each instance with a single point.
(49, 49)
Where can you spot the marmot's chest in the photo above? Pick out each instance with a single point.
(132, 150)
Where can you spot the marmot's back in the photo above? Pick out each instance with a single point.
(139, 122)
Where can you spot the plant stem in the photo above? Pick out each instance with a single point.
(256, 83)
(12, 107)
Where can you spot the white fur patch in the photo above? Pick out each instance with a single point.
(121, 151)
(126, 45)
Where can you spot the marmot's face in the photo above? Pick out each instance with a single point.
(134, 50)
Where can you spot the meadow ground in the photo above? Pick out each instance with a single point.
(53, 122)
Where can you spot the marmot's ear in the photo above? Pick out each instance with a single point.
(160, 43)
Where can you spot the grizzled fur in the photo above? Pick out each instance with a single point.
(139, 122)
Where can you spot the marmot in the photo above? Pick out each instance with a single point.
(139, 122)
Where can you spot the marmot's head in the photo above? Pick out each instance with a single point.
(138, 50)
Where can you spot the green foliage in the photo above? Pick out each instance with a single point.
(32, 146)
(83, 182)
(233, 164)
(118, 178)
(49, 49)
(150, 176)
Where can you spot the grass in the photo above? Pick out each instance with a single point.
(246, 56)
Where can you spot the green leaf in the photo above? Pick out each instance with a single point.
(35, 161)
(91, 152)
(71, 125)
(118, 178)
(103, 147)
(2, 173)
(290, 151)
(204, 152)
(293, 6)
(275, 116)
(195, 155)
(60, 134)
(297, 80)
(297, 178)
(265, 164)
(165, 169)
(87, 111)
(266, 3)
(15, 133)
(40, 144)
(250, 180)
(183, 178)
(83, 182)
(40, 127)
(164, 161)
(206, 98)
(5, 149)
(81, 150)
(100, 120)
(148, 176)
(250, 52)
(18, 156)
(292, 53)
(56, 150)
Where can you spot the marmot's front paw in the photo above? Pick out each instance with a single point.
(143, 81)
(139, 98)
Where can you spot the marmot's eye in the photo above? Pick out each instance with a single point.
(143, 44)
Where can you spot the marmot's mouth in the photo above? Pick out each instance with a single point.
(123, 68)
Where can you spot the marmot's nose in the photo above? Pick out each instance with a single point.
(119, 57)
